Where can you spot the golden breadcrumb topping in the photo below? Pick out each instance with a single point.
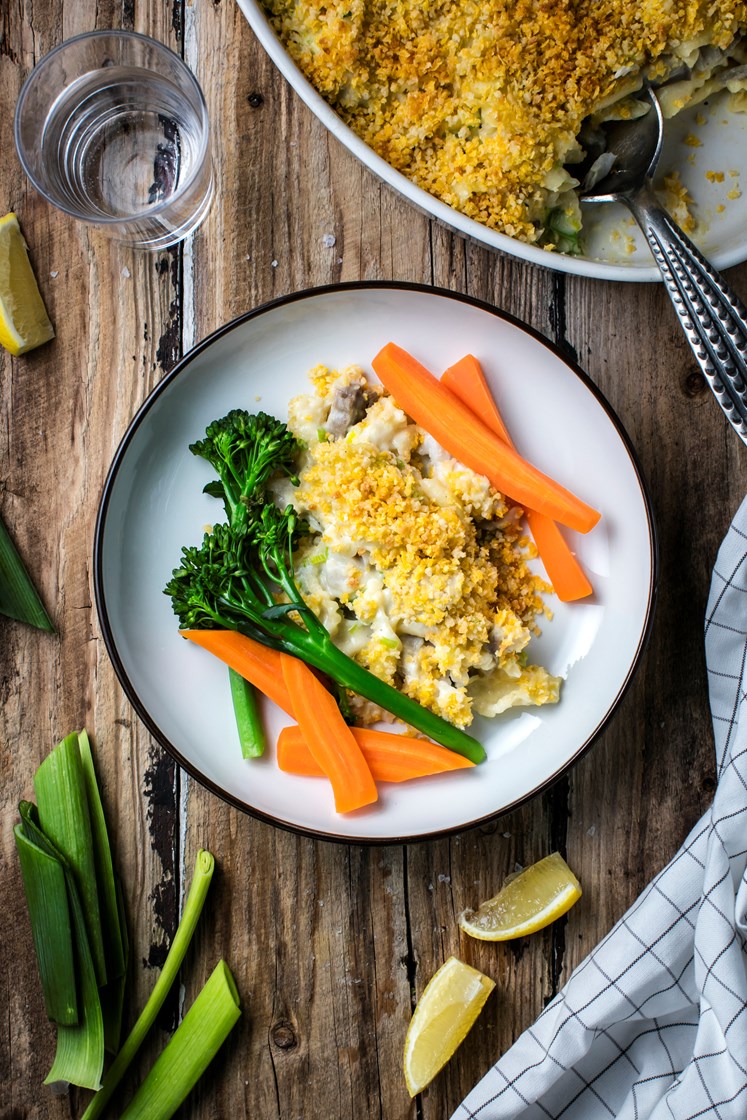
(416, 566)
(480, 101)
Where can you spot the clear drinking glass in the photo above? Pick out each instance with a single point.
(112, 128)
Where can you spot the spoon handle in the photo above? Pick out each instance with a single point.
(712, 316)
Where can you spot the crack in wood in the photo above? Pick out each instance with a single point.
(177, 20)
(558, 799)
(161, 792)
(557, 314)
(170, 345)
(128, 15)
(6, 51)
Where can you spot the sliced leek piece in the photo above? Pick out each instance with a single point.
(79, 1058)
(64, 818)
(102, 855)
(113, 994)
(46, 896)
(19, 598)
(197, 1040)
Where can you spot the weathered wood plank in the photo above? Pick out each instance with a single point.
(64, 409)
(330, 945)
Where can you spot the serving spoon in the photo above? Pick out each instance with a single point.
(712, 316)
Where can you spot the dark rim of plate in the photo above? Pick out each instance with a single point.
(100, 530)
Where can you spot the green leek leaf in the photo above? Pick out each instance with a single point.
(46, 896)
(113, 994)
(102, 855)
(248, 716)
(198, 1038)
(64, 818)
(19, 598)
(79, 1058)
(203, 873)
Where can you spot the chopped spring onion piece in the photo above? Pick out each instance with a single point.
(65, 819)
(203, 873)
(248, 716)
(19, 598)
(79, 1058)
(46, 897)
(102, 855)
(197, 1040)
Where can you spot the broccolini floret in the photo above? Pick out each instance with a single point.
(245, 450)
(242, 578)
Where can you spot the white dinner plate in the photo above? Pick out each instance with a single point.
(706, 145)
(153, 504)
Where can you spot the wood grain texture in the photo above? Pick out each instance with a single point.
(330, 945)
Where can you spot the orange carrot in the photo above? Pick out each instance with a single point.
(468, 439)
(563, 569)
(466, 380)
(330, 740)
(256, 663)
(392, 758)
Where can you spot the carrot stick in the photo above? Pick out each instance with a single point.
(466, 380)
(256, 663)
(392, 758)
(330, 740)
(468, 439)
(563, 569)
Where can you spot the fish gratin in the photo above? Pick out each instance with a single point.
(496, 108)
(416, 566)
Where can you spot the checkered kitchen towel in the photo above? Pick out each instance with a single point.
(653, 1024)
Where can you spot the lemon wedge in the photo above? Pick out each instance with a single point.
(527, 902)
(445, 1013)
(24, 322)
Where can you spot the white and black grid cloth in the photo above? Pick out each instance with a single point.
(652, 1025)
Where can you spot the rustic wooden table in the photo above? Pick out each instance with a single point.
(330, 944)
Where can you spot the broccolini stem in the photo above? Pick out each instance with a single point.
(315, 647)
(322, 653)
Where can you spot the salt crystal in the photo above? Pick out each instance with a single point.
(126, 272)
(328, 240)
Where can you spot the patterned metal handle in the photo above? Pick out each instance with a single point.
(713, 318)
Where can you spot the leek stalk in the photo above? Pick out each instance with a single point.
(203, 873)
(79, 1057)
(197, 1040)
(65, 819)
(102, 858)
(112, 996)
(46, 897)
(69, 882)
